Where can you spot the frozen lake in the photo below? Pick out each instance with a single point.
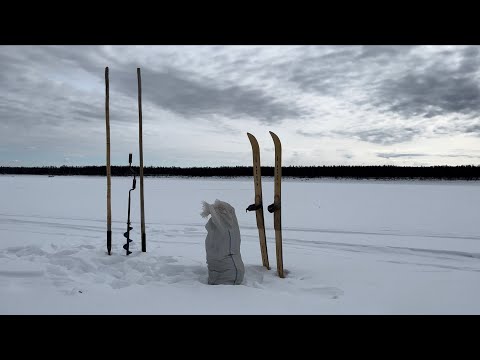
(350, 247)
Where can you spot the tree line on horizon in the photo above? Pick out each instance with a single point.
(467, 172)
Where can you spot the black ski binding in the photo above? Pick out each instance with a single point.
(253, 207)
(272, 207)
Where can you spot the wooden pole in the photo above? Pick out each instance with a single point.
(140, 144)
(109, 185)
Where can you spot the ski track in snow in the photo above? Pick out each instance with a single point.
(249, 233)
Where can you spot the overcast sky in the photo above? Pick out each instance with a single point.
(330, 105)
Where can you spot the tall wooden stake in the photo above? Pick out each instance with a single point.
(109, 185)
(140, 142)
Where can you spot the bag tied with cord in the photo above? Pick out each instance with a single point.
(222, 244)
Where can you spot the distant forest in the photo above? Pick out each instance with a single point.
(466, 172)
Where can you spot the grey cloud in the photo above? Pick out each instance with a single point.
(311, 134)
(185, 93)
(333, 70)
(442, 130)
(473, 129)
(438, 89)
(32, 93)
(88, 114)
(181, 93)
(325, 73)
(30, 109)
(83, 57)
(460, 155)
(383, 51)
(329, 70)
(9, 69)
(409, 155)
(471, 60)
(397, 155)
(394, 79)
(26, 59)
(58, 86)
(465, 125)
(431, 94)
(386, 136)
(29, 77)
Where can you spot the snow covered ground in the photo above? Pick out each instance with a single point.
(350, 247)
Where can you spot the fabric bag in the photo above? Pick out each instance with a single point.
(222, 244)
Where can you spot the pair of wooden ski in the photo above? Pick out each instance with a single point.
(109, 206)
(274, 208)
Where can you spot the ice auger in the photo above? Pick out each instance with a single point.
(127, 233)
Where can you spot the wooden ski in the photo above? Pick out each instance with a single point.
(276, 208)
(258, 206)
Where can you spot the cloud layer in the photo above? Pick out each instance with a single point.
(368, 99)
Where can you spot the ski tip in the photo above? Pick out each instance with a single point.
(275, 138)
(253, 139)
